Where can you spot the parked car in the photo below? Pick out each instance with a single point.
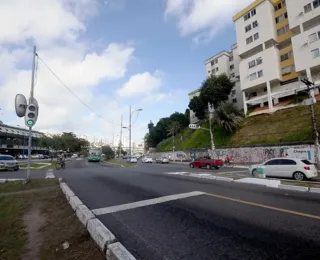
(8, 162)
(206, 162)
(162, 160)
(132, 160)
(295, 168)
(74, 156)
(146, 160)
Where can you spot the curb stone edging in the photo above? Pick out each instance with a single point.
(117, 251)
(315, 190)
(101, 235)
(224, 179)
(292, 187)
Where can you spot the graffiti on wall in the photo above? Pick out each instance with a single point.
(246, 154)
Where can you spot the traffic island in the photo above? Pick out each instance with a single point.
(121, 164)
(36, 222)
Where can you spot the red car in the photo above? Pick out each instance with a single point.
(206, 162)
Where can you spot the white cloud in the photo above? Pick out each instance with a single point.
(203, 19)
(141, 84)
(56, 26)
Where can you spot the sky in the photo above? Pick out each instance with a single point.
(109, 54)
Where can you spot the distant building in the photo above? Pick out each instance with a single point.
(227, 62)
(193, 118)
(14, 140)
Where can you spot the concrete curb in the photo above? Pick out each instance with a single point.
(292, 187)
(315, 190)
(117, 251)
(9, 180)
(84, 214)
(102, 236)
(75, 202)
(224, 179)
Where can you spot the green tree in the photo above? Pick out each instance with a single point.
(214, 90)
(108, 152)
(228, 116)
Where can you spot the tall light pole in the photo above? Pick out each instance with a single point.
(130, 126)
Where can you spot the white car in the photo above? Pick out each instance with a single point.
(148, 160)
(295, 168)
(74, 156)
(132, 160)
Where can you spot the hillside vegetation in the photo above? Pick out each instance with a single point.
(289, 125)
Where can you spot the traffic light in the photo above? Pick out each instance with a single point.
(31, 115)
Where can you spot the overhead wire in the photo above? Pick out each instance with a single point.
(79, 99)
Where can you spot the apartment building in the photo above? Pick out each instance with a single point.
(224, 62)
(193, 118)
(278, 41)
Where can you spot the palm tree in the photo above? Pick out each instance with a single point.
(228, 116)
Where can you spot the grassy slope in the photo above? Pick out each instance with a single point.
(289, 125)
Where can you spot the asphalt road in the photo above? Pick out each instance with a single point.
(223, 221)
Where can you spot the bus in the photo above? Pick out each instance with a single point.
(95, 154)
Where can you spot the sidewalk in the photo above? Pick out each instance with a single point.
(243, 166)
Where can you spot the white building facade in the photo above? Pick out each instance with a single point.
(278, 42)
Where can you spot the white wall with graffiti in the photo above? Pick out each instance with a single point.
(245, 155)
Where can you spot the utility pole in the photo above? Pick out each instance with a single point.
(173, 144)
(310, 103)
(211, 110)
(120, 144)
(30, 102)
(130, 131)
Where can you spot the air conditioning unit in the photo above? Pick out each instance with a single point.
(306, 43)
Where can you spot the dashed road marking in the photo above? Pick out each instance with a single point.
(49, 174)
(144, 203)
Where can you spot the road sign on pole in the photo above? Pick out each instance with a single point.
(194, 126)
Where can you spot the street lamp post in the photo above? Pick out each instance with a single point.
(130, 125)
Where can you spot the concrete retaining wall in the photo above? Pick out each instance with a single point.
(246, 155)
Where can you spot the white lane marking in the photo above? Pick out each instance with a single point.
(144, 203)
(49, 174)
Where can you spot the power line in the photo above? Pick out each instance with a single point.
(79, 99)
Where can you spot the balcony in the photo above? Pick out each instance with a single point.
(284, 36)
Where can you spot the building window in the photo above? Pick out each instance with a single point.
(253, 12)
(233, 92)
(265, 89)
(246, 16)
(315, 53)
(281, 17)
(252, 64)
(316, 4)
(312, 37)
(249, 40)
(248, 28)
(277, 7)
(231, 67)
(234, 100)
(283, 30)
(212, 63)
(307, 8)
(286, 56)
(259, 61)
(253, 76)
(216, 61)
(255, 24)
(256, 36)
(260, 73)
(253, 94)
(232, 75)
(217, 69)
(288, 70)
(231, 58)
